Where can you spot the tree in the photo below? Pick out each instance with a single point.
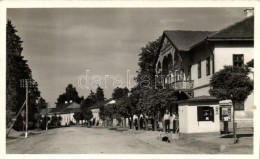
(100, 94)
(123, 106)
(86, 103)
(78, 116)
(232, 83)
(42, 103)
(120, 93)
(146, 62)
(70, 94)
(92, 96)
(87, 115)
(16, 70)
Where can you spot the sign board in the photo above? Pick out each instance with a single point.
(226, 112)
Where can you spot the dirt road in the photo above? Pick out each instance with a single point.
(82, 140)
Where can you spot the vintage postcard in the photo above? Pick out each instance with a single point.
(144, 77)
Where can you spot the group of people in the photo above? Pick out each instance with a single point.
(166, 119)
(167, 122)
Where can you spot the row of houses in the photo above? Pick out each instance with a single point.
(67, 110)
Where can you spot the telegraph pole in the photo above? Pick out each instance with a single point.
(26, 120)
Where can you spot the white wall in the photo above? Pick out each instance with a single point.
(201, 54)
(190, 124)
(224, 54)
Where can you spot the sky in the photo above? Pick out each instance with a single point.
(61, 44)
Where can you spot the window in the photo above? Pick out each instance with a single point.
(239, 106)
(238, 60)
(189, 73)
(208, 66)
(205, 113)
(199, 69)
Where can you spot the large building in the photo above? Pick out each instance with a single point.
(188, 59)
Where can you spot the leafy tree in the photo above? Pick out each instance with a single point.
(232, 83)
(92, 96)
(70, 94)
(120, 93)
(146, 62)
(42, 103)
(78, 116)
(86, 103)
(87, 115)
(100, 94)
(124, 108)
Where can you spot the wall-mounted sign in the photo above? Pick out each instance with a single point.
(217, 110)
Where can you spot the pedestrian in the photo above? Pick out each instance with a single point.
(130, 123)
(174, 123)
(136, 124)
(141, 123)
(152, 122)
(226, 119)
(167, 121)
(177, 123)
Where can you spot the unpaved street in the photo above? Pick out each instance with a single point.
(82, 140)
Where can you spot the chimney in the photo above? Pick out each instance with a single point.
(249, 12)
(66, 102)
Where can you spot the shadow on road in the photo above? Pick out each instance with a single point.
(238, 135)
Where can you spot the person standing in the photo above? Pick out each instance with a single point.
(226, 119)
(174, 123)
(167, 121)
(141, 123)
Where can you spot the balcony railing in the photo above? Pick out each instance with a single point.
(181, 84)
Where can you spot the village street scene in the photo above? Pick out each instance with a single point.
(130, 81)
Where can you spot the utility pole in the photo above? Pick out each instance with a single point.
(26, 122)
(46, 117)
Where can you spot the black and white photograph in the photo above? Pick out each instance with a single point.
(129, 80)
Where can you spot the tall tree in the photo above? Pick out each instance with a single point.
(70, 94)
(87, 115)
(16, 70)
(42, 103)
(146, 62)
(120, 93)
(100, 94)
(232, 83)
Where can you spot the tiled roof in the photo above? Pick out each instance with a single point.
(68, 107)
(185, 40)
(243, 29)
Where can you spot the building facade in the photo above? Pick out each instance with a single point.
(187, 60)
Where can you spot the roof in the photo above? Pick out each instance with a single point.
(68, 107)
(97, 105)
(71, 110)
(185, 40)
(45, 110)
(200, 99)
(243, 29)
